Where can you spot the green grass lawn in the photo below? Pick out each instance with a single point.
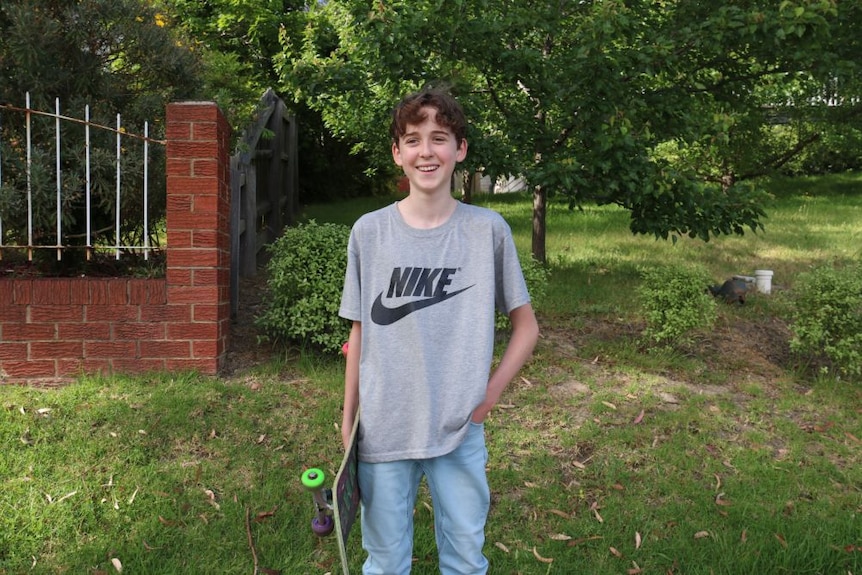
(603, 459)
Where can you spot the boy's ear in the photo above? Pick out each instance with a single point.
(396, 153)
(462, 151)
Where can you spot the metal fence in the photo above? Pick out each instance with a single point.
(24, 150)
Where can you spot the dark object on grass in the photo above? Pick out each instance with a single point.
(731, 291)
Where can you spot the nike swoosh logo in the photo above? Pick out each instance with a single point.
(382, 315)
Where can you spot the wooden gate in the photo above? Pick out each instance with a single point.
(264, 197)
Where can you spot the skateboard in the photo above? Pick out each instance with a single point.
(337, 507)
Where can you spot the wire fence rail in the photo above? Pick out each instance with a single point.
(93, 239)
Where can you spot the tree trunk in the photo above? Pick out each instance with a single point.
(467, 187)
(539, 211)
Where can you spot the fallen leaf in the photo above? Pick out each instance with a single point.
(164, 521)
(701, 534)
(825, 427)
(744, 537)
(264, 515)
(639, 418)
(261, 438)
(637, 540)
(117, 564)
(610, 405)
(530, 484)
(68, 495)
(635, 570)
(560, 537)
(562, 514)
(578, 464)
(853, 437)
(717, 481)
(598, 517)
(618, 487)
(781, 540)
(719, 500)
(501, 547)
(540, 558)
(615, 552)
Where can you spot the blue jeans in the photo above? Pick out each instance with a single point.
(461, 497)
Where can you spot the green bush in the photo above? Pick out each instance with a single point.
(536, 275)
(675, 303)
(827, 317)
(305, 281)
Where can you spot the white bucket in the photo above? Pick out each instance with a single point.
(763, 281)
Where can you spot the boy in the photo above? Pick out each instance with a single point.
(424, 275)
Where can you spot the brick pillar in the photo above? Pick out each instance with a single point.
(198, 230)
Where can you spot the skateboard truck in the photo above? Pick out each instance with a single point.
(323, 523)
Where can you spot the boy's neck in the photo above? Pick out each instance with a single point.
(427, 212)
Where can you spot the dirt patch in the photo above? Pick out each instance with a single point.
(247, 348)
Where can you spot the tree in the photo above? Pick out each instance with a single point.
(115, 56)
(241, 43)
(659, 107)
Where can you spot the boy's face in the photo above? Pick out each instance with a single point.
(428, 154)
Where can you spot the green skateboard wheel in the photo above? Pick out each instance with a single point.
(313, 478)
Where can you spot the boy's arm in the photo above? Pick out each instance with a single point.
(525, 333)
(351, 382)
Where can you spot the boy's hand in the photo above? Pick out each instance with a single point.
(480, 413)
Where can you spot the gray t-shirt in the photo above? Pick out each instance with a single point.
(426, 300)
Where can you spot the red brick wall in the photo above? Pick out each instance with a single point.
(53, 329)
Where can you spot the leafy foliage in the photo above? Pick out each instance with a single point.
(827, 317)
(306, 277)
(579, 97)
(675, 303)
(241, 43)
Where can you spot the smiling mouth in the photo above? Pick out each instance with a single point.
(427, 169)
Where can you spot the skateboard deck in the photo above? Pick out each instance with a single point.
(346, 494)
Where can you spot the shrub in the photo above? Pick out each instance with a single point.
(827, 317)
(306, 278)
(536, 275)
(675, 302)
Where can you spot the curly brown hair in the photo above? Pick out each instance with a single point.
(410, 111)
